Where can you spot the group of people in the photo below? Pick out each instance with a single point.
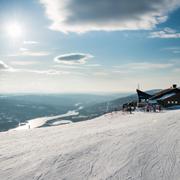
(152, 108)
(128, 108)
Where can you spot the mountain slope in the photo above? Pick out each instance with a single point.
(141, 146)
(109, 106)
(17, 108)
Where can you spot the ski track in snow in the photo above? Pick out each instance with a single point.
(142, 146)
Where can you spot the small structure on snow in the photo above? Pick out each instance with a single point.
(165, 98)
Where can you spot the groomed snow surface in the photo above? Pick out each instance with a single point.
(139, 146)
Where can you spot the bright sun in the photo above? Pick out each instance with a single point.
(14, 30)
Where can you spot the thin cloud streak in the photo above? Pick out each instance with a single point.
(31, 53)
(145, 66)
(167, 33)
(23, 63)
(30, 42)
(3, 66)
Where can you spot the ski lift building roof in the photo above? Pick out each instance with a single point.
(167, 97)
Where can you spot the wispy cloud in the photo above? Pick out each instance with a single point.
(78, 66)
(27, 52)
(23, 49)
(6, 68)
(101, 73)
(31, 42)
(35, 53)
(166, 33)
(121, 71)
(145, 66)
(93, 65)
(3, 66)
(47, 72)
(73, 58)
(108, 15)
(23, 62)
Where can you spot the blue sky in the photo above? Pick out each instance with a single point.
(88, 46)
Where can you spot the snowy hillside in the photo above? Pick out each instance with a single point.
(141, 146)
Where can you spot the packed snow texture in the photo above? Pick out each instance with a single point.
(139, 146)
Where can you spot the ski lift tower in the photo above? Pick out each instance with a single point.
(138, 88)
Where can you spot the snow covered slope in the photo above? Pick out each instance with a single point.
(142, 146)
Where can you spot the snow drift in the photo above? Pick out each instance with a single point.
(141, 146)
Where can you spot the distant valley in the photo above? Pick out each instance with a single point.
(18, 108)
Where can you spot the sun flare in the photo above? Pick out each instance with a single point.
(14, 30)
